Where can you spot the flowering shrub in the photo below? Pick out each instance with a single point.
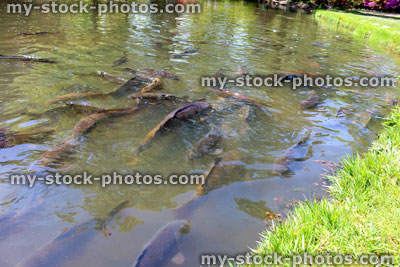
(390, 5)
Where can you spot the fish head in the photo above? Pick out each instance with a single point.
(184, 228)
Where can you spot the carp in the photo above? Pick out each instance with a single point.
(58, 152)
(35, 33)
(310, 102)
(205, 144)
(154, 73)
(67, 107)
(159, 73)
(224, 170)
(184, 53)
(86, 124)
(183, 113)
(241, 97)
(151, 97)
(132, 85)
(163, 246)
(14, 221)
(254, 209)
(295, 153)
(9, 139)
(120, 61)
(110, 78)
(28, 59)
(70, 242)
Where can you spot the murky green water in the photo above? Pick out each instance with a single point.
(226, 35)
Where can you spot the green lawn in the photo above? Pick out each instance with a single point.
(380, 32)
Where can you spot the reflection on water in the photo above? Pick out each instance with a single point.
(228, 36)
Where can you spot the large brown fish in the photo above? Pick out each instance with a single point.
(69, 243)
(9, 139)
(254, 209)
(225, 170)
(282, 164)
(67, 107)
(58, 152)
(86, 124)
(121, 60)
(27, 59)
(132, 85)
(110, 78)
(253, 101)
(158, 73)
(183, 113)
(163, 246)
(205, 144)
(155, 97)
(310, 102)
(14, 221)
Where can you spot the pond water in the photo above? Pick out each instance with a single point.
(227, 35)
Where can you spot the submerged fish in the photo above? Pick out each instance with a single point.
(132, 85)
(183, 113)
(253, 101)
(296, 153)
(163, 246)
(155, 97)
(28, 59)
(57, 153)
(254, 209)
(35, 33)
(87, 123)
(9, 139)
(225, 170)
(13, 222)
(310, 102)
(68, 243)
(184, 53)
(110, 78)
(158, 73)
(205, 144)
(67, 107)
(121, 61)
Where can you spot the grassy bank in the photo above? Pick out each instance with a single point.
(380, 32)
(363, 214)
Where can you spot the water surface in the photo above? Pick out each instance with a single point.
(227, 35)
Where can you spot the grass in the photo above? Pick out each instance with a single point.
(363, 214)
(380, 32)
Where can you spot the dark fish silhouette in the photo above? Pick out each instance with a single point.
(296, 153)
(9, 139)
(310, 102)
(163, 246)
(36, 33)
(205, 144)
(155, 97)
(132, 85)
(255, 102)
(121, 61)
(183, 113)
(69, 243)
(28, 59)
